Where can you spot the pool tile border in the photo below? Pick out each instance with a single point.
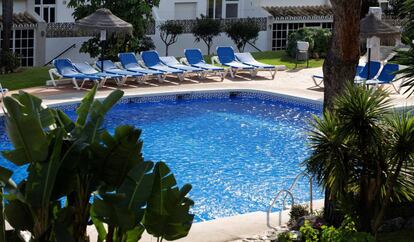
(205, 95)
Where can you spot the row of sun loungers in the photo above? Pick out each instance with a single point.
(154, 66)
(373, 73)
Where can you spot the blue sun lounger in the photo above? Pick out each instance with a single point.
(111, 68)
(373, 66)
(3, 91)
(248, 59)
(152, 61)
(87, 69)
(65, 69)
(318, 79)
(172, 62)
(194, 58)
(387, 76)
(227, 58)
(129, 62)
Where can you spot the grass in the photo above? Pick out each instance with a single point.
(281, 58)
(37, 76)
(399, 236)
(25, 78)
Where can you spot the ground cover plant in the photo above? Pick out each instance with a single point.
(79, 173)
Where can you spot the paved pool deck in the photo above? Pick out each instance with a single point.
(296, 83)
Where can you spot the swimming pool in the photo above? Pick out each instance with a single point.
(237, 150)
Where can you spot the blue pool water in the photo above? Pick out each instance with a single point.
(237, 153)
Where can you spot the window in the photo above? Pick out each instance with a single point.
(22, 44)
(232, 8)
(216, 8)
(46, 9)
(281, 31)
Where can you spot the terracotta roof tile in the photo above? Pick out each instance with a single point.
(22, 19)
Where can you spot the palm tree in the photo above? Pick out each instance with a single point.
(362, 155)
(7, 6)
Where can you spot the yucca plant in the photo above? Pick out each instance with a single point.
(71, 163)
(363, 153)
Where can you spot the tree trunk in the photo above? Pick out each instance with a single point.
(7, 6)
(340, 66)
(343, 56)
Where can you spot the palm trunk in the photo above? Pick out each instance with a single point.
(343, 55)
(340, 65)
(7, 23)
(386, 201)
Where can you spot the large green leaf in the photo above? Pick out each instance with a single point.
(18, 215)
(85, 107)
(167, 215)
(5, 174)
(116, 155)
(138, 187)
(24, 128)
(135, 234)
(42, 176)
(125, 209)
(108, 211)
(99, 226)
(97, 114)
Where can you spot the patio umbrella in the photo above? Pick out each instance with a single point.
(103, 21)
(372, 26)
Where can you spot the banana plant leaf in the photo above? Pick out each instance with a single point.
(97, 112)
(125, 208)
(42, 176)
(25, 130)
(19, 216)
(116, 155)
(167, 215)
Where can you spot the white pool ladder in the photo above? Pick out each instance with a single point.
(288, 192)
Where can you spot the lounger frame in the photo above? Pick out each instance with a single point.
(54, 73)
(233, 70)
(208, 72)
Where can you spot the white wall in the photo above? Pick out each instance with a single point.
(63, 13)
(252, 8)
(187, 41)
(285, 3)
(54, 46)
(166, 10)
(18, 6)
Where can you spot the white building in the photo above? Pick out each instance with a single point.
(43, 29)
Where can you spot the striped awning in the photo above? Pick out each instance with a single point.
(300, 12)
(23, 19)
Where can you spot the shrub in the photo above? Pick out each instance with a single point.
(308, 233)
(297, 212)
(169, 32)
(318, 41)
(243, 32)
(285, 237)
(9, 61)
(206, 29)
(347, 232)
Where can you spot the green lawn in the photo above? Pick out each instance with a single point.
(281, 58)
(27, 77)
(37, 76)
